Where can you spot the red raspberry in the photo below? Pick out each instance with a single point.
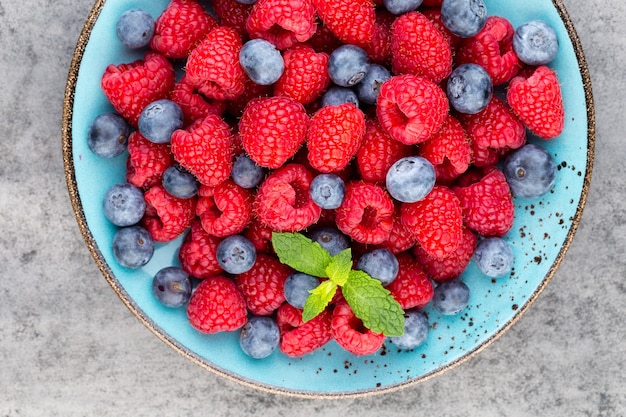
(253, 90)
(167, 217)
(283, 201)
(334, 136)
(434, 15)
(379, 48)
(216, 305)
(131, 87)
(432, 3)
(352, 21)
(260, 235)
(197, 253)
(213, 66)
(492, 48)
(400, 239)
(538, 102)
(436, 221)
(419, 48)
(262, 286)
(204, 149)
(194, 105)
(298, 338)
(147, 161)
(411, 108)
(412, 288)
(233, 14)
(305, 76)
(449, 150)
(282, 22)
(350, 333)
(180, 27)
(366, 214)
(452, 265)
(228, 212)
(273, 129)
(324, 40)
(487, 204)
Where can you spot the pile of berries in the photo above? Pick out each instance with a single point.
(395, 128)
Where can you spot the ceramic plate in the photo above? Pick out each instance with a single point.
(542, 233)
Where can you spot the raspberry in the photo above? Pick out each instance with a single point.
(298, 338)
(273, 129)
(366, 214)
(434, 15)
(194, 105)
(233, 14)
(492, 49)
(334, 136)
(412, 288)
(538, 102)
(349, 332)
(167, 217)
(283, 201)
(419, 48)
(216, 305)
(379, 48)
(227, 212)
(260, 235)
(452, 265)
(487, 204)
(131, 87)
(324, 40)
(197, 253)
(436, 221)
(449, 150)
(305, 76)
(411, 108)
(252, 90)
(213, 66)
(282, 22)
(352, 21)
(400, 239)
(204, 149)
(180, 27)
(146, 162)
(262, 286)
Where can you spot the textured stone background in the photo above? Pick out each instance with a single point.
(69, 347)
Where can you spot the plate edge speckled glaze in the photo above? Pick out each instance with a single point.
(68, 160)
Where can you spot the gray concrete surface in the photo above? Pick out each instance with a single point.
(69, 347)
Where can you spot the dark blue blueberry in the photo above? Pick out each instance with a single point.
(379, 264)
(327, 191)
(530, 171)
(494, 257)
(261, 61)
(133, 247)
(451, 297)
(337, 95)
(347, 65)
(236, 254)
(245, 172)
(159, 119)
(469, 88)
(297, 287)
(124, 204)
(179, 182)
(246, 1)
(416, 330)
(464, 18)
(410, 179)
(172, 286)
(398, 7)
(330, 239)
(535, 43)
(135, 28)
(107, 135)
(369, 87)
(259, 337)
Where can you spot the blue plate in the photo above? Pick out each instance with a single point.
(542, 233)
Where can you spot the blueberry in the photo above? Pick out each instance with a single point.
(297, 287)
(261, 61)
(535, 43)
(410, 179)
(451, 297)
(347, 65)
(369, 87)
(494, 257)
(236, 254)
(124, 204)
(337, 95)
(379, 264)
(133, 247)
(179, 182)
(327, 191)
(416, 330)
(159, 119)
(330, 239)
(464, 18)
(245, 172)
(530, 171)
(172, 286)
(398, 7)
(469, 88)
(248, 2)
(259, 337)
(135, 28)
(107, 135)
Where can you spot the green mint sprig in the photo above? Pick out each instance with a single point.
(370, 301)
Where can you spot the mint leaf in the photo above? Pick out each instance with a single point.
(301, 253)
(319, 299)
(373, 304)
(339, 268)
